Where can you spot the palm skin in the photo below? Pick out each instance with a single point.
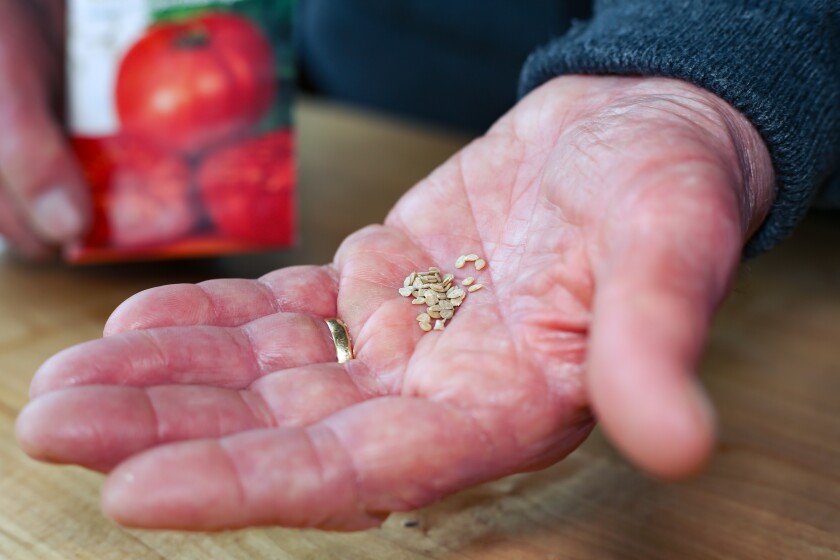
(611, 211)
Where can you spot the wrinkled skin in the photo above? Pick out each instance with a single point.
(612, 213)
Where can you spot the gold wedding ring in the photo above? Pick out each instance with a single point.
(341, 339)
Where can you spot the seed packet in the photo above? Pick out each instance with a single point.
(180, 114)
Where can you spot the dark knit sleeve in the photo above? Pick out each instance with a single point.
(777, 61)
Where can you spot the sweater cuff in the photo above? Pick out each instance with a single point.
(776, 61)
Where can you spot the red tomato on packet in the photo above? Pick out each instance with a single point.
(142, 195)
(248, 189)
(176, 116)
(189, 85)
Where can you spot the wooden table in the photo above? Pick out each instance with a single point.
(773, 367)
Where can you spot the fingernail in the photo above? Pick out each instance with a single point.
(56, 215)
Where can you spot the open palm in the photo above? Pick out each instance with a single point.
(611, 212)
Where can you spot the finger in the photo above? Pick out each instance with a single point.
(42, 175)
(229, 303)
(346, 473)
(36, 161)
(97, 427)
(231, 357)
(670, 263)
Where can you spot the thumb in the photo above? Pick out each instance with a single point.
(40, 174)
(667, 268)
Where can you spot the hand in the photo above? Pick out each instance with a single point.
(43, 200)
(612, 212)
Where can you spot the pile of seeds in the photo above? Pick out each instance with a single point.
(439, 292)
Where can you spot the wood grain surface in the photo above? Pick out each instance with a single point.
(773, 366)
